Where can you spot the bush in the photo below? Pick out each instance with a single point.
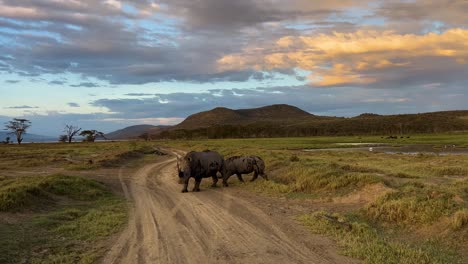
(294, 158)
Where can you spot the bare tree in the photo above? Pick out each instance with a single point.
(18, 127)
(91, 135)
(71, 131)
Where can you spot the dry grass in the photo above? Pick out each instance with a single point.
(460, 219)
(360, 240)
(413, 203)
(425, 190)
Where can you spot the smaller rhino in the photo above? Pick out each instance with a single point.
(244, 165)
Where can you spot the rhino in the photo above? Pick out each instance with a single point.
(200, 165)
(243, 165)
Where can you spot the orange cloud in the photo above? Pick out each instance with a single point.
(349, 58)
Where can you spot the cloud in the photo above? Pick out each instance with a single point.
(359, 58)
(57, 82)
(73, 104)
(332, 101)
(138, 94)
(21, 107)
(138, 42)
(86, 84)
(449, 12)
(135, 42)
(174, 107)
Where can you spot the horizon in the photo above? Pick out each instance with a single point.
(127, 126)
(111, 64)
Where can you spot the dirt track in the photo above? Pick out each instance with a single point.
(213, 226)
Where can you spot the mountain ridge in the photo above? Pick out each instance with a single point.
(285, 120)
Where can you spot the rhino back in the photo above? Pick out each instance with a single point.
(239, 164)
(205, 163)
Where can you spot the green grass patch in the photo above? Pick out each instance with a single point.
(75, 156)
(414, 203)
(360, 240)
(430, 191)
(68, 231)
(18, 193)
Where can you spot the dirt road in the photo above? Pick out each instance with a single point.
(167, 226)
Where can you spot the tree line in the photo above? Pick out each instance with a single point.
(19, 126)
(382, 125)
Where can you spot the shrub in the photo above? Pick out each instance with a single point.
(294, 158)
(459, 219)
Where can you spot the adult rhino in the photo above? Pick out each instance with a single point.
(244, 165)
(200, 165)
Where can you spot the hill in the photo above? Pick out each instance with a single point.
(133, 131)
(290, 121)
(225, 116)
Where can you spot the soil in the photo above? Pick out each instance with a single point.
(216, 225)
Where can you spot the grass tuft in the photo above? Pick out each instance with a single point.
(414, 203)
(459, 219)
(359, 240)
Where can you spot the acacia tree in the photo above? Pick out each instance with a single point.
(63, 138)
(71, 131)
(91, 135)
(7, 141)
(18, 127)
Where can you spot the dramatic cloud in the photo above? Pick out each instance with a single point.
(144, 41)
(362, 57)
(449, 12)
(127, 62)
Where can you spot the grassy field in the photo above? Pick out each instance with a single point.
(459, 139)
(59, 219)
(417, 212)
(378, 207)
(49, 217)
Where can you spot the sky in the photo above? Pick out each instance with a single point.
(109, 64)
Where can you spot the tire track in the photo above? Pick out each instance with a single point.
(166, 226)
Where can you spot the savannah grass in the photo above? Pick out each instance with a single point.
(422, 219)
(78, 217)
(425, 208)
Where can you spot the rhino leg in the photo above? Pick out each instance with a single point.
(215, 180)
(197, 185)
(239, 176)
(255, 176)
(264, 176)
(186, 182)
(225, 180)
